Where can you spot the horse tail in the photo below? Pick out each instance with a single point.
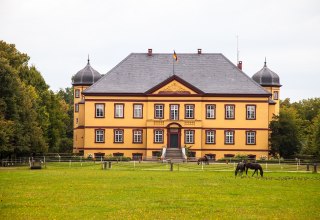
(261, 171)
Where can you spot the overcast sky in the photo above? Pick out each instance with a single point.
(58, 35)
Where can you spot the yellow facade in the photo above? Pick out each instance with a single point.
(174, 93)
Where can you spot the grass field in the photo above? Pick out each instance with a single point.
(92, 193)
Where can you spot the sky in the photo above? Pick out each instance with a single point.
(58, 35)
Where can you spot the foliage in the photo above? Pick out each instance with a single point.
(32, 118)
(296, 131)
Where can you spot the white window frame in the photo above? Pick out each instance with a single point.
(210, 137)
(158, 136)
(229, 137)
(137, 136)
(210, 111)
(99, 136)
(250, 137)
(189, 111)
(119, 111)
(158, 111)
(77, 93)
(174, 112)
(99, 110)
(189, 136)
(230, 111)
(137, 110)
(118, 136)
(251, 112)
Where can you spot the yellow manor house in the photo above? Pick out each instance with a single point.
(157, 104)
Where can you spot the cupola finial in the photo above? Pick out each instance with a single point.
(265, 61)
(88, 60)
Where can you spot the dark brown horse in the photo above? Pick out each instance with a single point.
(254, 166)
(241, 166)
(204, 160)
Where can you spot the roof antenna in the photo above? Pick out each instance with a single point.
(265, 61)
(238, 52)
(88, 60)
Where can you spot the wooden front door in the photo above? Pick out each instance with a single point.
(174, 138)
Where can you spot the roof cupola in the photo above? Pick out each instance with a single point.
(86, 76)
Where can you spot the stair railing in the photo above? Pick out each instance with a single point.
(163, 156)
(183, 149)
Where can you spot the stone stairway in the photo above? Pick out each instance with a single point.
(174, 154)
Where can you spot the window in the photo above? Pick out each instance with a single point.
(158, 111)
(251, 137)
(229, 111)
(137, 156)
(189, 111)
(276, 95)
(118, 110)
(118, 154)
(99, 110)
(210, 137)
(251, 112)
(118, 136)
(76, 107)
(189, 136)
(158, 136)
(99, 136)
(229, 137)
(174, 112)
(137, 136)
(210, 111)
(137, 110)
(77, 93)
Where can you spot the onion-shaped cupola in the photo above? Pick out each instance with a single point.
(266, 77)
(86, 76)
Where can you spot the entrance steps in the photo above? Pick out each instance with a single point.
(174, 154)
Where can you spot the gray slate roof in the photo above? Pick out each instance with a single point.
(86, 76)
(210, 73)
(266, 77)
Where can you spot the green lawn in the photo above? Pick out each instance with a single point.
(91, 193)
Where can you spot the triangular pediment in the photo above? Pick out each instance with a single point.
(174, 85)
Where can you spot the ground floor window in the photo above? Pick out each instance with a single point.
(118, 136)
(99, 156)
(211, 156)
(228, 155)
(189, 136)
(156, 154)
(229, 137)
(158, 136)
(252, 156)
(210, 137)
(191, 154)
(137, 156)
(118, 154)
(250, 137)
(99, 136)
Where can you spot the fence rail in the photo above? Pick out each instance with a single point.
(79, 162)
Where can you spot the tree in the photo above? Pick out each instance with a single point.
(285, 133)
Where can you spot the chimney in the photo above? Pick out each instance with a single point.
(199, 51)
(240, 65)
(149, 52)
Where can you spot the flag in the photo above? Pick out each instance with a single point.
(175, 55)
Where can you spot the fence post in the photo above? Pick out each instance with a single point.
(110, 165)
(134, 164)
(69, 163)
(44, 161)
(308, 169)
(315, 168)
(266, 165)
(171, 166)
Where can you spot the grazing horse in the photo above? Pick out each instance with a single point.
(255, 167)
(204, 160)
(240, 168)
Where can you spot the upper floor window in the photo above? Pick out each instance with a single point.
(189, 136)
(174, 112)
(229, 137)
(76, 107)
(251, 112)
(158, 136)
(275, 95)
(210, 137)
(158, 111)
(137, 136)
(210, 111)
(118, 136)
(250, 137)
(137, 110)
(99, 136)
(77, 93)
(118, 110)
(229, 111)
(189, 111)
(99, 110)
